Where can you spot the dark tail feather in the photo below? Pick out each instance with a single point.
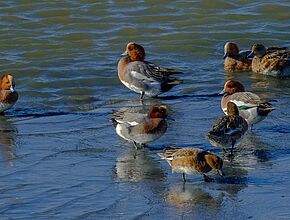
(114, 122)
(175, 82)
(265, 108)
(168, 71)
(166, 86)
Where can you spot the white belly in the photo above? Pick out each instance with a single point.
(132, 87)
(154, 89)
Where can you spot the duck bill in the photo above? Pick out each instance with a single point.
(124, 54)
(251, 55)
(221, 172)
(12, 89)
(222, 92)
(226, 55)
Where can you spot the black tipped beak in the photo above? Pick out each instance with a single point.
(251, 55)
(226, 55)
(124, 54)
(220, 172)
(222, 92)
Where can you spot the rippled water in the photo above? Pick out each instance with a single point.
(61, 158)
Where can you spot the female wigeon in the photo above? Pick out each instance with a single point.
(8, 95)
(228, 129)
(142, 129)
(144, 77)
(251, 107)
(192, 160)
(236, 60)
(272, 61)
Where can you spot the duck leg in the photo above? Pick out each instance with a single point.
(231, 155)
(136, 145)
(183, 176)
(142, 94)
(232, 148)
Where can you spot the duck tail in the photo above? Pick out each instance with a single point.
(167, 85)
(265, 108)
(167, 152)
(175, 82)
(114, 122)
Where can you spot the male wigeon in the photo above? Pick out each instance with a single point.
(228, 129)
(192, 160)
(140, 128)
(8, 95)
(144, 77)
(235, 60)
(251, 107)
(272, 61)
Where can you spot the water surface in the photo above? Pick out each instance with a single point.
(59, 154)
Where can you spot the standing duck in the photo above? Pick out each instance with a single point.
(228, 129)
(139, 128)
(192, 160)
(144, 77)
(251, 107)
(8, 95)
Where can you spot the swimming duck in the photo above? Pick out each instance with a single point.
(192, 160)
(251, 107)
(235, 60)
(273, 61)
(144, 77)
(141, 129)
(8, 95)
(228, 129)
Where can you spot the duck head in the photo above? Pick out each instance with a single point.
(135, 52)
(258, 50)
(231, 87)
(7, 82)
(231, 50)
(158, 112)
(215, 162)
(232, 109)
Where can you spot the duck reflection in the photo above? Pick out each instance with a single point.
(139, 128)
(188, 196)
(254, 150)
(7, 142)
(138, 165)
(210, 195)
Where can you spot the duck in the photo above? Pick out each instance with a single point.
(236, 60)
(8, 95)
(144, 77)
(272, 61)
(251, 107)
(141, 129)
(228, 129)
(192, 160)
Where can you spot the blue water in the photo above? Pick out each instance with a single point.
(60, 157)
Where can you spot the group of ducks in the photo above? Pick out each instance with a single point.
(242, 109)
(274, 61)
